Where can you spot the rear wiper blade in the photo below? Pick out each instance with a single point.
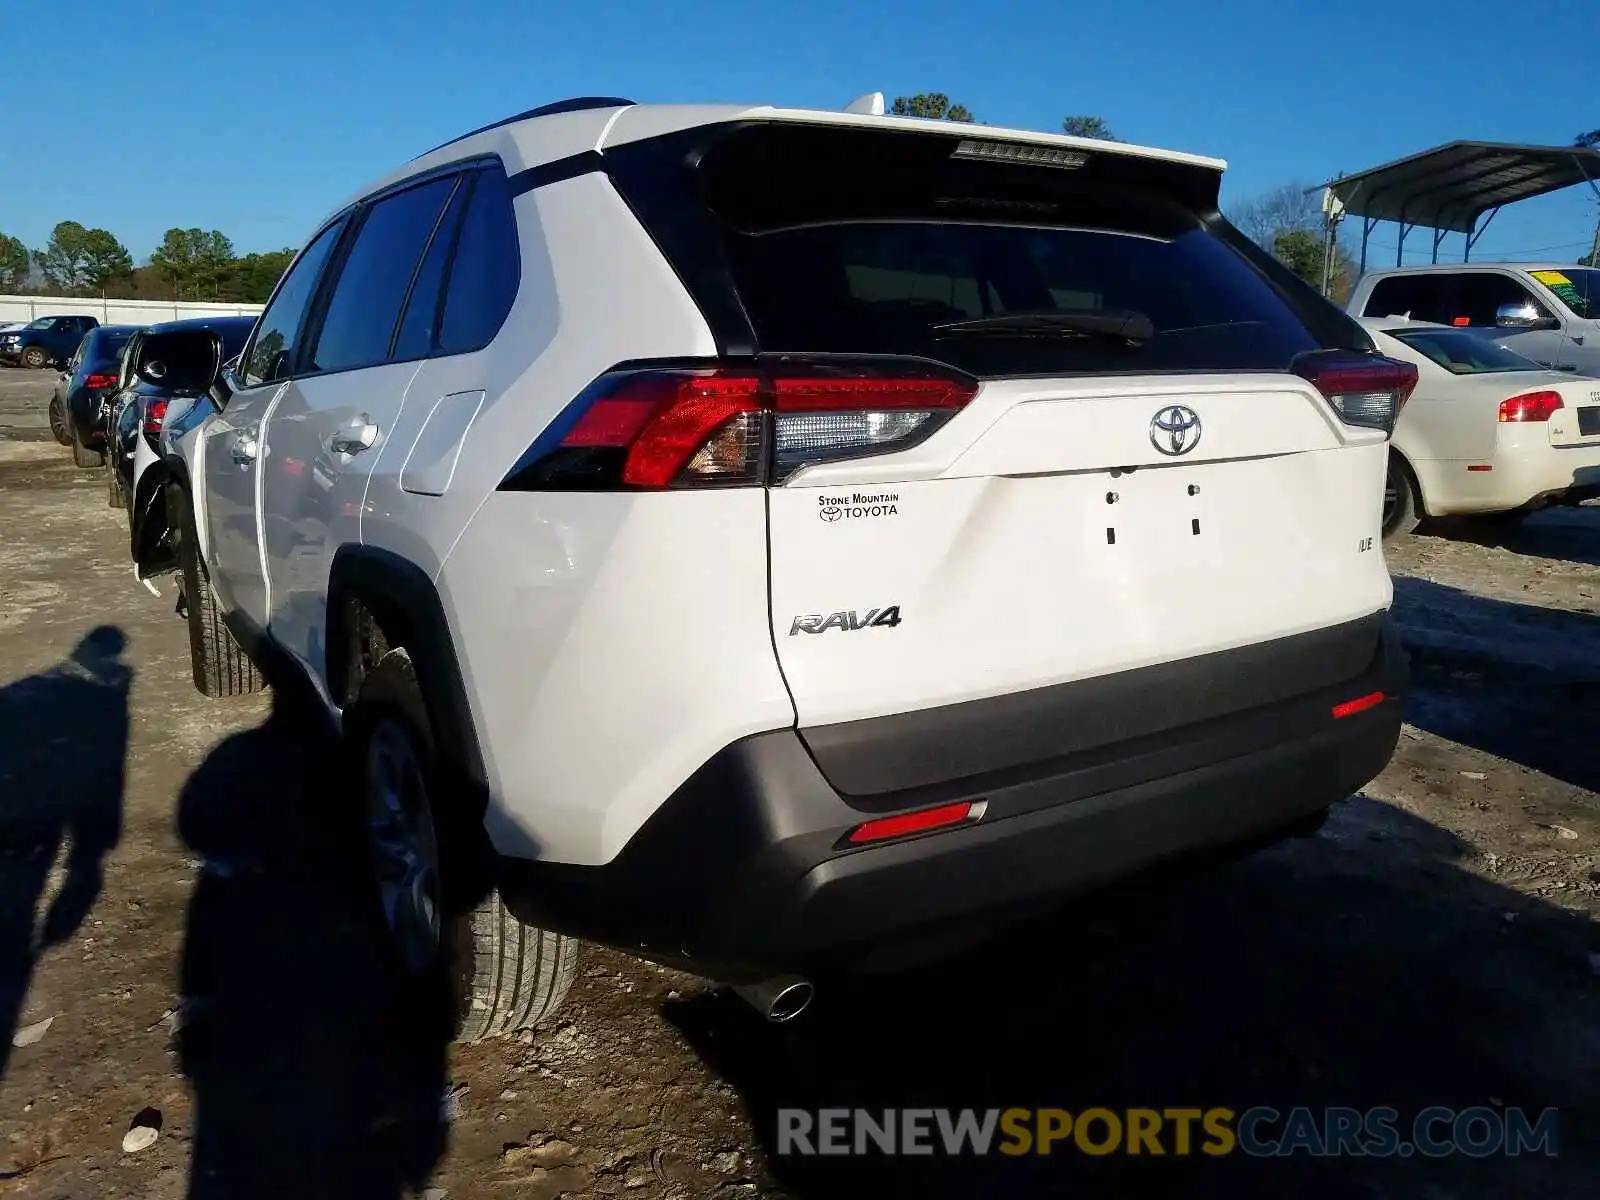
(1132, 327)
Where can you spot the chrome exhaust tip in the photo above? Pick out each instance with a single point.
(779, 999)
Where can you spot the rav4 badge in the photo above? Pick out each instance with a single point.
(886, 618)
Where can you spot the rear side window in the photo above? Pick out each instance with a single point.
(372, 284)
(420, 324)
(272, 352)
(1419, 297)
(485, 268)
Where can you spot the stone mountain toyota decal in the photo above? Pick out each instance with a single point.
(875, 618)
(858, 505)
(1175, 429)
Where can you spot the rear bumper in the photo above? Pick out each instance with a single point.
(741, 874)
(1526, 477)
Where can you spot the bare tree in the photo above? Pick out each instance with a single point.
(1285, 209)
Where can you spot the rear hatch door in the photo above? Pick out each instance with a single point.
(1138, 476)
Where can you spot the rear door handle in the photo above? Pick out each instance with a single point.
(356, 435)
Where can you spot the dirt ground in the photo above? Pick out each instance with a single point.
(1434, 944)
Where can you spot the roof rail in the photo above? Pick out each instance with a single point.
(575, 104)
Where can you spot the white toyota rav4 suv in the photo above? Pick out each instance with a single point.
(777, 542)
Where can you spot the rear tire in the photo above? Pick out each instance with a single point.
(425, 857)
(115, 497)
(219, 665)
(58, 423)
(82, 456)
(507, 975)
(1402, 500)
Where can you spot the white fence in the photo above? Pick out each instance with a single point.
(118, 312)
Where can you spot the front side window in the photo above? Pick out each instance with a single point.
(376, 274)
(271, 353)
(1480, 296)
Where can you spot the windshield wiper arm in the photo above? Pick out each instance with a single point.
(1132, 327)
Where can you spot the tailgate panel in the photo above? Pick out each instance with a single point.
(1008, 582)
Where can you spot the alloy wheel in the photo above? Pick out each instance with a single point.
(400, 837)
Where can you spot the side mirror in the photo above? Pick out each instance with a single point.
(1523, 316)
(183, 361)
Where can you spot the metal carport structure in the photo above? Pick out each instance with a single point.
(1456, 188)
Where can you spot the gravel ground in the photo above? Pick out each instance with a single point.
(1431, 945)
(23, 397)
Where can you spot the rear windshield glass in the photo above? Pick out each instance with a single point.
(234, 337)
(1463, 353)
(108, 343)
(886, 286)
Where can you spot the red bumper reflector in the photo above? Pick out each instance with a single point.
(1481, 467)
(913, 822)
(1360, 704)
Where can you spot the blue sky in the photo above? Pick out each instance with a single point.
(256, 119)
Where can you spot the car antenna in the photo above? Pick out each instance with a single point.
(869, 105)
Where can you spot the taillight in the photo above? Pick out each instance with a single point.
(1530, 406)
(155, 412)
(1365, 389)
(100, 381)
(732, 425)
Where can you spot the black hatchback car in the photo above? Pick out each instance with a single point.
(138, 411)
(78, 405)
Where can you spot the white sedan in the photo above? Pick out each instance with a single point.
(1486, 431)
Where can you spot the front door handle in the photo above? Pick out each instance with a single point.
(244, 449)
(356, 435)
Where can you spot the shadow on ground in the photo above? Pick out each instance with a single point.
(1515, 680)
(63, 742)
(1567, 532)
(309, 1078)
(1360, 968)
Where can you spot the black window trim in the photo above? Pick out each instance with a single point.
(354, 215)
